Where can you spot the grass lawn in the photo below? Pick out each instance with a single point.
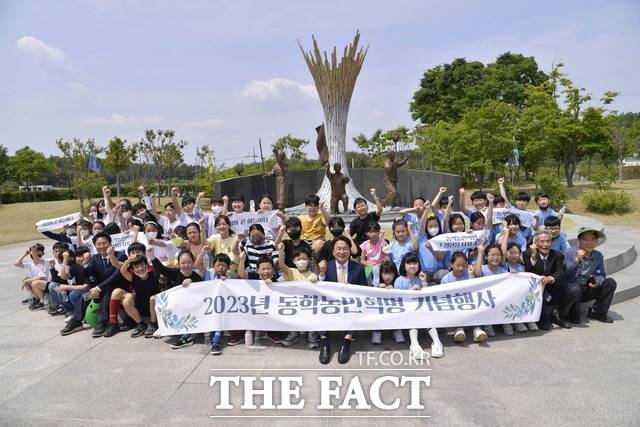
(17, 220)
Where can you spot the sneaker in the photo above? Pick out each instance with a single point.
(111, 330)
(376, 337)
(98, 331)
(291, 339)
(139, 331)
(532, 326)
(313, 340)
(274, 337)
(157, 334)
(26, 301)
(479, 335)
(235, 339)
(459, 335)
(68, 318)
(520, 327)
(126, 326)
(36, 305)
(508, 329)
(216, 348)
(57, 312)
(417, 353)
(437, 350)
(184, 341)
(151, 329)
(398, 336)
(489, 330)
(71, 327)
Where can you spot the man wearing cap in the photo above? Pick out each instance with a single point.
(586, 277)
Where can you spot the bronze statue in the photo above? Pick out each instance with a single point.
(391, 166)
(338, 188)
(279, 170)
(321, 145)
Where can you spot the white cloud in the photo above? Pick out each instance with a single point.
(206, 124)
(77, 87)
(276, 88)
(40, 50)
(121, 120)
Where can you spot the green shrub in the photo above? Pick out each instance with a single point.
(603, 177)
(607, 202)
(548, 183)
(40, 196)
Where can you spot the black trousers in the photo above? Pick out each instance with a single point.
(603, 295)
(560, 298)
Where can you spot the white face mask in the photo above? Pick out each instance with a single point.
(217, 210)
(432, 231)
(301, 264)
(151, 235)
(84, 233)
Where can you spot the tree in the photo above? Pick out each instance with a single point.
(205, 171)
(448, 90)
(28, 167)
(4, 160)
(380, 141)
(118, 158)
(84, 182)
(623, 131)
(158, 154)
(579, 126)
(292, 146)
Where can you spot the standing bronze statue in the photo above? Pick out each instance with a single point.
(321, 145)
(279, 171)
(391, 166)
(338, 188)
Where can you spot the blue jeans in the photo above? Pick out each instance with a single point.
(74, 305)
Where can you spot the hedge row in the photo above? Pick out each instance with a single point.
(40, 196)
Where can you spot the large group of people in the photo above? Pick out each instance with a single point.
(187, 243)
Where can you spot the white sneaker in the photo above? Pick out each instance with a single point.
(157, 334)
(417, 353)
(437, 350)
(532, 326)
(398, 336)
(520, 327)
(489, 330)
(479, 335)
(459, 335)
(508, 329)
(376, 337)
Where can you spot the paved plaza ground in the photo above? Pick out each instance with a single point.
(587, 375)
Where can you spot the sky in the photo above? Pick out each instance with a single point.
(229, 73)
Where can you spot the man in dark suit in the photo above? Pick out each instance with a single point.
(340, 270)
(105, 278)
(540, 259)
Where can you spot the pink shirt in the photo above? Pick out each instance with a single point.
(373, 253)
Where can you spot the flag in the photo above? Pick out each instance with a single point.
(93, 162)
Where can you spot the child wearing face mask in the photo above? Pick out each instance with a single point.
(257, 245)
(143, 284)
(301, 258)
(432, 262)
(36, 271)
(293, 228)
(336, 227)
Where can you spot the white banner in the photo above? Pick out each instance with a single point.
(121, 241)
(240, 222)
(459, 241)
(326, 306)
(527, 219)
(56, 223)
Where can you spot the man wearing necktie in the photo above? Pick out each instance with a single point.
(540, 259)
(349, 272)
